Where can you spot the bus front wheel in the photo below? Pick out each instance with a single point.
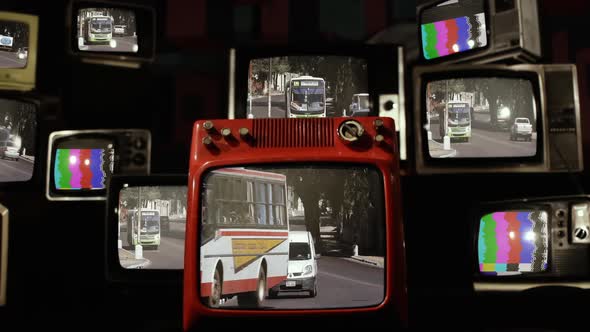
(254, 299)
(214, 299)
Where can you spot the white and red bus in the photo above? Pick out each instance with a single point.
(244, 233)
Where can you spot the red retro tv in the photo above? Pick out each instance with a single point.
(294, 219)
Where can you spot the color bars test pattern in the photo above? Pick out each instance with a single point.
(79, 169)
(513, 242)
(454, 35)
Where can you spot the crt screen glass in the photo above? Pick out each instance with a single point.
(107, 30)
(18, 133)
(513, 242)
(155, 218)
(307, 86)
(82, 164)
(14, 44)
(262, 228)
(488, 117)
(453, 27)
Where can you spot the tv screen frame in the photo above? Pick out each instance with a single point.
(36, 101)
(4, 238)
(559, 271)
(145, 25)
(428, 165)
(280, 152)
(385, 83)
(459, 55)
(22, 79)
(115, 273)
(112, 135)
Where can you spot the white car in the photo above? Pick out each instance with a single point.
(9, 149)
(521, 128)
(303, 268)
(119, 29)
(22, 53)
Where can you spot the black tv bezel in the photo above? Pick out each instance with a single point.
(27, 97)
(78, 193)
(379, 82)
(488, 208)
(115, 273)
(145, 18)
(483, 163)
(455, 56)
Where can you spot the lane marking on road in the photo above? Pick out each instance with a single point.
(15, 61)
(336, 276)
(17, 169)
(508, 144)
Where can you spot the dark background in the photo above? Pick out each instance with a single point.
(56, 258)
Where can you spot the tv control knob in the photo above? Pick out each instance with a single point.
(581, 233)
(351, 130)
(139, 159)
(139, 143)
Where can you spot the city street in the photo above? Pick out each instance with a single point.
(124, 44)
(11, 60)
(169, 255)
(341, 283)
(11, 170)
(260, 106)
(486, 142)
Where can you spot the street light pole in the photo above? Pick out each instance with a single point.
(269, 80)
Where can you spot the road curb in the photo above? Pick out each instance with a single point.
(141, 265)
(365, 261)
(27, 159)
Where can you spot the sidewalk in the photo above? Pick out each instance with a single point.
(30, 159)
(436, 150)
(128, 261)
(334, 248)
(378, 261)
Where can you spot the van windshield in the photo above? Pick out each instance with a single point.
(299, 251)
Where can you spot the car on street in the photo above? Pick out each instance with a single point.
(521, 128)
(9, 150)
(22, 53)
(359, 105)
(303, 269)
(119, 30)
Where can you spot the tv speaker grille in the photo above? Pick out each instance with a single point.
(293, 133)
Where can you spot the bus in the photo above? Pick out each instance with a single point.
(244, 237)
(458, 120)
(147, 221)
(305, 96)
(97, 29)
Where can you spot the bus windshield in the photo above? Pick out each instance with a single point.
(459, 114)
(150, 222)
(101, 26)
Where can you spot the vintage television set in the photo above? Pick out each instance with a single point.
(111, 32)
(263, 194)
(497, 118)
(3, 253)
(315, 80)
(530, 243)
(18, 50)
(479, 31)
(80, 162)
(145, 227)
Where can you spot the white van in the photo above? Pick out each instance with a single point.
(303, 268)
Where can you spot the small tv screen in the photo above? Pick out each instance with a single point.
(82, 164)
(107, 30)
(452, 27)
(14, 44)
(296, 237)
(481, 117)
(513, 242)
(153, 217)
(18, 135)
(307, 86)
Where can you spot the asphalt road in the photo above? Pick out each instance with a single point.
(124, 44)
(341, 284)
(11, 60)
(169, 255)
(485, 142)
(11, 170)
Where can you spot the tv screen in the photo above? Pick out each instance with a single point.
(83, 164)
(18, 135)
(155, 218)
(452, 27)
(297, 237)
(481, 117)
(307, 86)
(513, 242)
(14, 44)
(107, 30)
